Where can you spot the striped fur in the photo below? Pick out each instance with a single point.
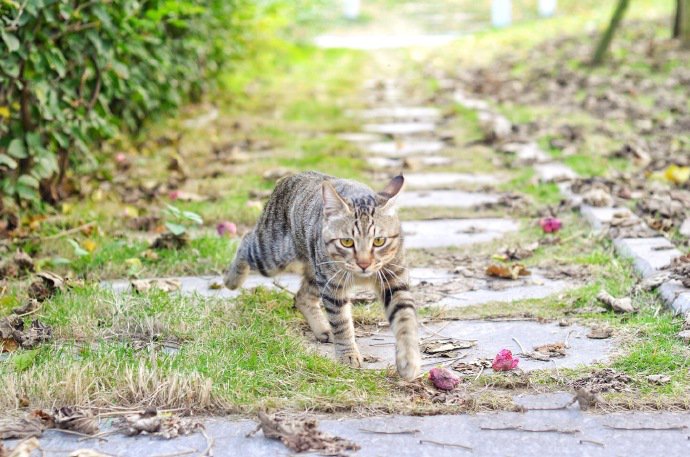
(312, 218)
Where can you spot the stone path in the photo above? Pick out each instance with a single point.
(563, 432)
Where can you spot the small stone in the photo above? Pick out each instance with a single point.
(685, 336)
(659, 379)
(597, 197)
(600, 333)
(685, 228)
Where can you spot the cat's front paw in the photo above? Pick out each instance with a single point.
(408, 360)
(351, 357)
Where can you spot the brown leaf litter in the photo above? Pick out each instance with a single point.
(19, 265)
(36, 422)
(546, 352)
(302, 435)
(680, 269)
(600, 333)
(170, 241)
(153, 422)
(517, 253)
(445, 347)
(163, 284)
(14, 333)
(513, 271)
(605, 380)
(473, 367)
(46, 286)
(619, 305)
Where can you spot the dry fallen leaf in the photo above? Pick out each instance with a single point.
(31, 425)
(170, 241)
(46, 285)
(154, 423)
(507, 271)
(87, 453)
(619, 305)
(302, 435)
(659, 379)
(444, 346)
(69, 418)
(164, 284)
(600, 333)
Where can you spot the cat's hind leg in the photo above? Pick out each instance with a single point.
(308, 302)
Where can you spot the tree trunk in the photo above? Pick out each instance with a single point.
(683, 22)
(605, 41)
(676, 19)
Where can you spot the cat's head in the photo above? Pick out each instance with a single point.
(362, 234)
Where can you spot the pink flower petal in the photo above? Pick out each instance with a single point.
(443, 378)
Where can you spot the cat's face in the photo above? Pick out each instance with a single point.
(362, 235)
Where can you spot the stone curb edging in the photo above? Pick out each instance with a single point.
(649, 255)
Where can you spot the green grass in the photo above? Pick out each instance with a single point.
(241, 357)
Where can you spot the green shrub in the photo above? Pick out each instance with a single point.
(75, 72)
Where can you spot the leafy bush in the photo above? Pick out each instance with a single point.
(75, 72)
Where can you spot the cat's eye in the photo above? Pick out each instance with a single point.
(347, 242)
(379, 241)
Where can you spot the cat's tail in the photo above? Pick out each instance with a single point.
(239, 269)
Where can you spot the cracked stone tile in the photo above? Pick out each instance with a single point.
(455, 232)
(405, 148)
(429, 180)
(444, 198)
(400, 128)
(490, 338)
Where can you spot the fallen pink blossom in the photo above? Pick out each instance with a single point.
(120, 158)
(550, 224)
(174, 194)
(443, 378)
(226, 228)
(504, 361)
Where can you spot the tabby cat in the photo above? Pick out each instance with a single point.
(344, 235)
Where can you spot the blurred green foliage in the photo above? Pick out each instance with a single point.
(76, 72)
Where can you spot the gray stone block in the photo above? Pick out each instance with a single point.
(649, 255)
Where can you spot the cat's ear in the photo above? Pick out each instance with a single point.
(333, 203)
(389, 194)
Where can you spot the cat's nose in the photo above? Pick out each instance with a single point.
(363, 264)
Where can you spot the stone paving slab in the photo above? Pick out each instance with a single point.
(429, 180)
(400, 128)
(591, 436)
(490, 337)
(405, 148)
(536, 287)
(600, 217)
(648, 254)
(400, 112)
(468, 102)
(444, 198)
(527, 153)
(375, 42)
(209, 286)
(455, 232)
